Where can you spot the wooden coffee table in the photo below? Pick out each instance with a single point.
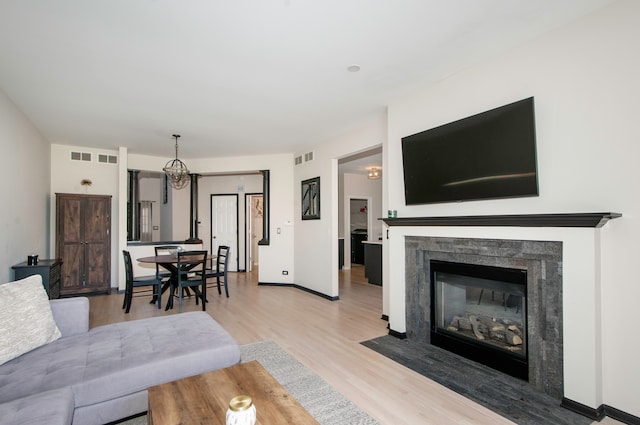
(204, 399)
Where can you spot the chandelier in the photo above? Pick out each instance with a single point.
(374, 173)
(177, 173)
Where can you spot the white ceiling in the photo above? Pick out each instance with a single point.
(237, 77)
(362, 162)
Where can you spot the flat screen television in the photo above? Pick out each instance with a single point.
(485, 156)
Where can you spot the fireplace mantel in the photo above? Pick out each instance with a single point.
(593, 220)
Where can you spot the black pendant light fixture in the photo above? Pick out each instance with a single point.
(176, 171)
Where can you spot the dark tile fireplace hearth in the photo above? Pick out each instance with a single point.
(531, 308)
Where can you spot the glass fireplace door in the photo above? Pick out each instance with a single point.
(480, 307)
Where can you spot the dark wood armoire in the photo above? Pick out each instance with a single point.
(83, 243)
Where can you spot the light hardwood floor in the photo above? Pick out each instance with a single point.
(325, 336)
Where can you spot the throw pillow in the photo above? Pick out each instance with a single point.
(26, 321)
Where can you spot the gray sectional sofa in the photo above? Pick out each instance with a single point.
(101, 375)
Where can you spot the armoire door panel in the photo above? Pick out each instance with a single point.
(96, 220)
(97, 272)
(71, 277)
(71, 216)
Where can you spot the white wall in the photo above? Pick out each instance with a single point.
(585, 81)
(175, 215)
(316, 242)
(24, 211)
(111, 180)
(151, 188)
(279, 254)
(226, 185)
(180, 213)
(166, 216)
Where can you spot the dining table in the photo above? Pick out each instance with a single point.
(169, 262)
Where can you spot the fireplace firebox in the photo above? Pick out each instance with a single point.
(480, 312)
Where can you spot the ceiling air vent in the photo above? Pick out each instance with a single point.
(298, 160)
(81, 156)
(308, 156)
(107, 159)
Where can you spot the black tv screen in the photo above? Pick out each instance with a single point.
(485, 156)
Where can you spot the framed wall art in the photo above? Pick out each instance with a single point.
(311, 199)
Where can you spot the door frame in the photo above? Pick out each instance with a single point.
(211, 197)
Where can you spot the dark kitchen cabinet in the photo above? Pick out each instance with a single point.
(373, 262)
(357, 248)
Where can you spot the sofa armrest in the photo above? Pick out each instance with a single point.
(71, 315)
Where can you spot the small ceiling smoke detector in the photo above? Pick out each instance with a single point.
(353, 68)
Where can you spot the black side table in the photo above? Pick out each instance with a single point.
(48, 269)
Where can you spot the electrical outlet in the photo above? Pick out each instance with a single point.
(285, 272)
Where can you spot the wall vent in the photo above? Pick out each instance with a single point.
(308, 156)
(81, 156)
(298, 160)
(107, 159)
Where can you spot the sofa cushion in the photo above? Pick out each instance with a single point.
(115, 360)
(26, 321)
(53, 407)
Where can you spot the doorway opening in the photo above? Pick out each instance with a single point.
(354, 184)
(254, 203)
(359, 219)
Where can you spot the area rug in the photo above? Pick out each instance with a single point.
(325, 404)
(320, 399)
(507, 396)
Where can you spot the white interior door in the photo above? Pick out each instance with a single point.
(224, 226)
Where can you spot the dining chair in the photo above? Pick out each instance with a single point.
(220, 272)
(164, 250)
(189, 262)
(139, 281)
(161, 272)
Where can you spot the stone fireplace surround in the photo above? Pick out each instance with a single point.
(580, 236)
(543, 262)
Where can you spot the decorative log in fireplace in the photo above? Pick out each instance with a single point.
(509, 336)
